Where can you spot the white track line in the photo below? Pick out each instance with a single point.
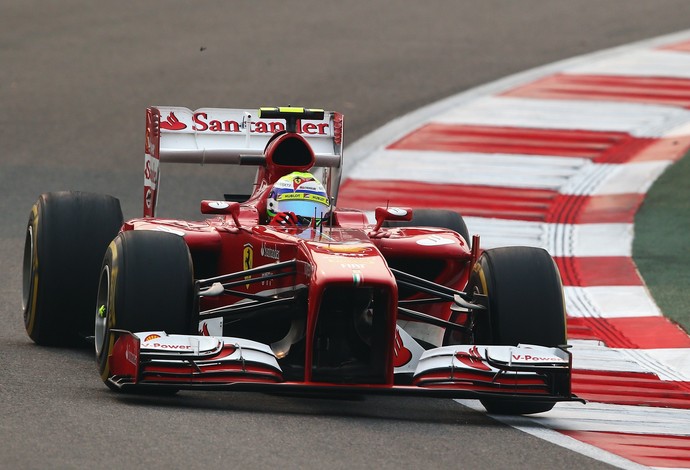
(641, 63)
(573, 176)
(639, 120)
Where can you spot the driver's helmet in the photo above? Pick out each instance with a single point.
(299, 192)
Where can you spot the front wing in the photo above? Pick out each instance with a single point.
(522, 372)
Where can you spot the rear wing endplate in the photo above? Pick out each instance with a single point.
(229, 136)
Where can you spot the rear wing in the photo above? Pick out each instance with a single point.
(231, 136)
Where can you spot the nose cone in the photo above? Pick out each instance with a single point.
(357, 264)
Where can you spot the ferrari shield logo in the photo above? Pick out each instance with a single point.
(248, 257)
(247, 260)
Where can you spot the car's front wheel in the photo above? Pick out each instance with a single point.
(146, 284)
(525, 305)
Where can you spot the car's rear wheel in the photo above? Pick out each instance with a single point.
(438, 218)
(146, 284)
(525, 305)
(66, 237)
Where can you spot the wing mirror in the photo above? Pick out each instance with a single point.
(230, 208)
(391, 213)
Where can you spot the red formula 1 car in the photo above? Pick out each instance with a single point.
(402, 304)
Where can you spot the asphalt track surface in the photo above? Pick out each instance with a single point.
(75, 78)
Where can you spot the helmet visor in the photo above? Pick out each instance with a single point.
(307, 205)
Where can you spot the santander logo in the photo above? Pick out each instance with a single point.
(202, 122)
(171, 123)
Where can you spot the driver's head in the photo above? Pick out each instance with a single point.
(299, 192)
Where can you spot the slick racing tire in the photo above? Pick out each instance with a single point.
(525, 305)
(146, 284)
(434, 218)
(66, 237)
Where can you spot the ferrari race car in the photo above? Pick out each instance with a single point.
(391, 301)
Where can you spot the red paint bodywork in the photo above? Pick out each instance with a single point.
(330, 255)
(341, 283)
